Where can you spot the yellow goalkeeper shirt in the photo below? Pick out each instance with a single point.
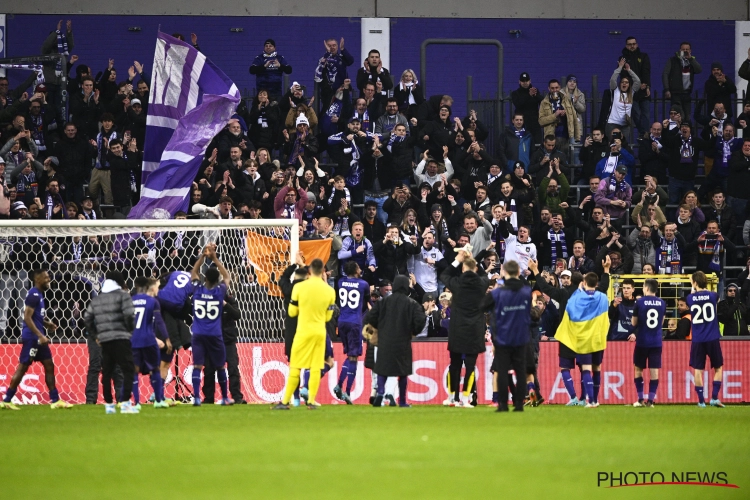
(313, 302)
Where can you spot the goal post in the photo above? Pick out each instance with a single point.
(78, 253)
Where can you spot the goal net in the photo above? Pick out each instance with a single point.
(78, 254)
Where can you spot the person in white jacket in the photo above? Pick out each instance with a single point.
(427, 170)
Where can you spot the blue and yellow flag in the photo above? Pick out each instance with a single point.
(585, 324)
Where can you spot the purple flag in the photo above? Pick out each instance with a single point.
(190, 101)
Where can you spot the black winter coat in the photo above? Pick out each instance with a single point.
(397, 318)
(290, 324)
(75, 159)
(467, 325)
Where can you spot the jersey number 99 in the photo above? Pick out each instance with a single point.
(349, 298)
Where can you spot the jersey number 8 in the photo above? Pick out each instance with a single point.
(349, 298)
(652, 318)
(206, 309)
(707, 310)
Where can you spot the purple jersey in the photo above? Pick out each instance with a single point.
(208, 306)
(147, 312)
(650, 312)
(705, 321)
(35, 299)
(177, 291)
(353, 293)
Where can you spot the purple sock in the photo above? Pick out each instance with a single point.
(157, 386)
(196, 377)
(699, 392)
(296, 393)
(221, 374)
(529, 386)
(589, 384)
(715, 390)
(54, 397)
(343, 373)
(568, 381)
(350, 376)
(583, 389)
(326, 368)
(381, 385)
(12, 392)
(305, 378)
(597, 377)
(652, 386)
(402, 382)
(494, 396)
(136, 390)
(639, 388)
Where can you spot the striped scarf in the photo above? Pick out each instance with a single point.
(686, 150)
(615, 186)
(514, 213)
(62, 48)
(498, 239)
(554, 239)
(669, 257)
(705, 248)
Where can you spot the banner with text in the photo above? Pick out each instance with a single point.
(264, 371)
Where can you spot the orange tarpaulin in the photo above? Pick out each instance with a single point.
(270, 256)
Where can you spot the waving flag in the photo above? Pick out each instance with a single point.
(585, 323)
(190, 101)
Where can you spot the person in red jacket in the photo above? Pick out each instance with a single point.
(290, 201)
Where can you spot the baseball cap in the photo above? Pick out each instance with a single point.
(566, 273)
(428, 297)
(524, 77)
(135, 101)
(87, 197)
(437, 207)
(354, 118)
(19, 205)
(621, 169)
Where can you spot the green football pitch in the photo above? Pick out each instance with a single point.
(357, 452)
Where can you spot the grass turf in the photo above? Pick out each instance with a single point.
(364, 452)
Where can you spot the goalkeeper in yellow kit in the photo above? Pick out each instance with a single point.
(313, 302)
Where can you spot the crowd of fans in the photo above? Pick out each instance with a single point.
(428, 184)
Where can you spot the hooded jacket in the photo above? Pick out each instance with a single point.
(397, 318)
(467, 325)
(110, 315)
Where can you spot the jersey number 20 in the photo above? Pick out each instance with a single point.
(707, 315)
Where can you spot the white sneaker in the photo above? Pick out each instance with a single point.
(109, 409)
(464, 404)
(449, 402)
(638, 404)
(127, 407)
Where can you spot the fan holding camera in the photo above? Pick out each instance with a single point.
(618, 156)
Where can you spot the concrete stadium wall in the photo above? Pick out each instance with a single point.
(546, 48)
(541, 9)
